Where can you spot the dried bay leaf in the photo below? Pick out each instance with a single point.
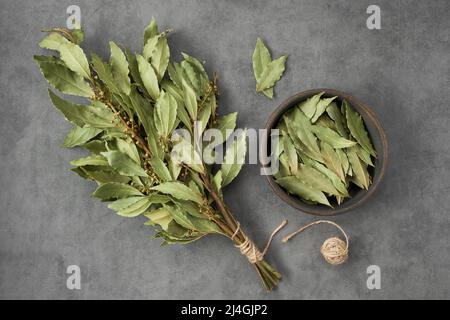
(114, 190)
(178, 190)
(124, 164)
(321, 107)
(357, 129)
(130, 207)
(331, 137)
(148, 76)
(309, 106)
(332, 160)
(80, 135)
(234, 159)
(75, 59)
(316, 179)
(291, 155)
(120, 68)
(340, 121)
(364, 155)
(160, 169)
(271, 74)
(62, 78)
(260, 59)
(360, 174)
(97, 115)
(298, 187)
(337, 182)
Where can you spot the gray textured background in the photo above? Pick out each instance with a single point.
(48, 221)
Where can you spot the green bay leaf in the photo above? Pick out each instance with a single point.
(114, 190)
(298, 187)
(124, 164)
(234, 159)
(179, 190)
(78, 136)
(62, 78)
(356, 125)
(271, 74)
(331, 137)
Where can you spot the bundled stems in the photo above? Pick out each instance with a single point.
(269, 276)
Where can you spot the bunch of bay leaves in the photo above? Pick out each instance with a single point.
(324, 149)
(134, 103)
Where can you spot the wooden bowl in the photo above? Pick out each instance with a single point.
(376, 133)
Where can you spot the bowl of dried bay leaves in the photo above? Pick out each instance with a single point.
(331, 153)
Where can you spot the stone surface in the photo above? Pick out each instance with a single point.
(48, 221)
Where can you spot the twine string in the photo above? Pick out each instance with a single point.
(249, 249)
(334, 250)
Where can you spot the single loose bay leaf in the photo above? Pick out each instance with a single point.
(179, 190)
(356, 125)
(332, 160)
(316, 179)
(298, 187)
(271, 74)
(234, 159)
(124, 164)
(360, 174)
(62, 78)
(75, 59)
(148, 76)
(331, 137)
(309, 105)
(261, 58)
(321, 107)
(80, 135)
(120, 68)
(114, 190)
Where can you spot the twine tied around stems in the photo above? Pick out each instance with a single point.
(334, 250)
(250, 250)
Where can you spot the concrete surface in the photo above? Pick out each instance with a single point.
(48, 221)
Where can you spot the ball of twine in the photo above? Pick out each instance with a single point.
(334, 250)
